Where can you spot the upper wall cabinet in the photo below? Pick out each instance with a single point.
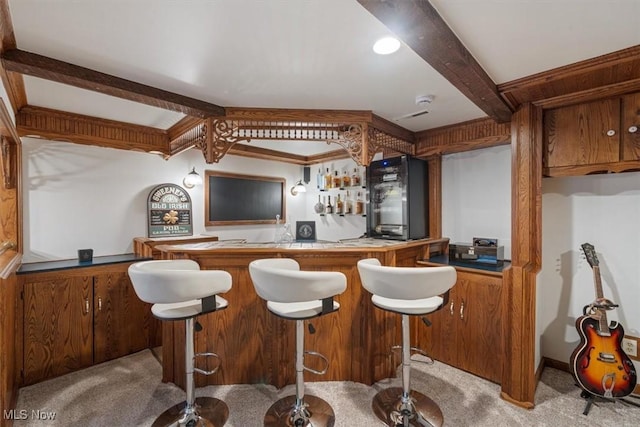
(595, 137)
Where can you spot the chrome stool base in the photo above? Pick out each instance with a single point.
(320, 413)
(211, 412)
(387, 407)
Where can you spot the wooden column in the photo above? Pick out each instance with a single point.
(435, 196)
(519, 330)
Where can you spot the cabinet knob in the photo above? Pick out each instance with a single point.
(462, 310)
(633, 129)
(611, 132)
(86, 306)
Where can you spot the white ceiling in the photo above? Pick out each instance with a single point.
(301, 54)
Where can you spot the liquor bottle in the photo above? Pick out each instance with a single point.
(327, 180)
(359, 204)
(329, 209)
(339, 206)
(346, 179)
(355, 178)
(320, 180)
(337, 181)
(348, 204)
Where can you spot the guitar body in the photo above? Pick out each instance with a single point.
(599, 364)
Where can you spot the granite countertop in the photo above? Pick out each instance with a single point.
(39, 267)
(444, 259)
(364, 242)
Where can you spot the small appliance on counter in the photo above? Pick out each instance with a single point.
(397, 199)
(480, 251)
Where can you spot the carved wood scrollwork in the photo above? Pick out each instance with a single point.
(220, 136)
(352, 140)
(8, 160)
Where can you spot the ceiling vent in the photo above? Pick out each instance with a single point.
(412, 115)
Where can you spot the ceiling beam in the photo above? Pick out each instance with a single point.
(419, 26)
(63, 72)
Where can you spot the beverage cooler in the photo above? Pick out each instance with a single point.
(398, 199)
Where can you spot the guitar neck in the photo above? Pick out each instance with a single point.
(603, 324)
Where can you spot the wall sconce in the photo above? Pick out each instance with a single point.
(192, 179)
(298, 188)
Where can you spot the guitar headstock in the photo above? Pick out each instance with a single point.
(590, 254)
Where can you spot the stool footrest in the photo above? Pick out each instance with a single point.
(415, 350)
(326, 363)
(206, 355)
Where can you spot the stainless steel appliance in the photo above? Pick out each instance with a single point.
(398, 198)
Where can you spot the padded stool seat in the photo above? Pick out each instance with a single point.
(179, 290)
(407, 291)
(298, 295)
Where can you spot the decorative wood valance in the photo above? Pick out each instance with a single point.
(355, 131)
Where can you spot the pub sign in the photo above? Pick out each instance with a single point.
(169, 211)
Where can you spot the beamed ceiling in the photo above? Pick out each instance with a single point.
(225, 76)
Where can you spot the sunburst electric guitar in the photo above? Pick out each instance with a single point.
(599, 364)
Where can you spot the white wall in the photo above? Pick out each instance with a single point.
(78, 196)
(603, 210)
(476, 196)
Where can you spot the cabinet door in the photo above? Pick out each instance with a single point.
(57, 327)
(440, 339)
(582, 134)
(122, 322)
(479, 317)
(631, 127)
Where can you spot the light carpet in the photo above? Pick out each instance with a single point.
(128, 392)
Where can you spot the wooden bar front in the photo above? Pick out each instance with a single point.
(255, 346)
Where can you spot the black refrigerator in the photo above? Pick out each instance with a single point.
(398, 199)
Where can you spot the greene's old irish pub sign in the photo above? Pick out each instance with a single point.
(169, 211)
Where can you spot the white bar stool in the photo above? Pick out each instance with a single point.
(409, 291)
(298, 295)
(179, 290)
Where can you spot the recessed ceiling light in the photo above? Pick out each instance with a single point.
(386, 45)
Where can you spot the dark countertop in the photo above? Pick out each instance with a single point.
(39, 267)
(444, 259)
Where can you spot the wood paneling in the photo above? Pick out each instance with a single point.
(63, 72)
(8, 298)
(435, 197)
(519, 285)
(60, 125)
(466, 136)
(607, 75)
(419, 25)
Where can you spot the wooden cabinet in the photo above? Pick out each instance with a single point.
(467, 331)
(58, 322)
(79, 317)
(594, 137)
(122, 323)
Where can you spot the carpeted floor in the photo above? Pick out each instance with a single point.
(128, 392)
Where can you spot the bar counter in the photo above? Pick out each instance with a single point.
(257, 347)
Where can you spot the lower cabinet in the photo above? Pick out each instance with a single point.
(467, 331)
(79, 317)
